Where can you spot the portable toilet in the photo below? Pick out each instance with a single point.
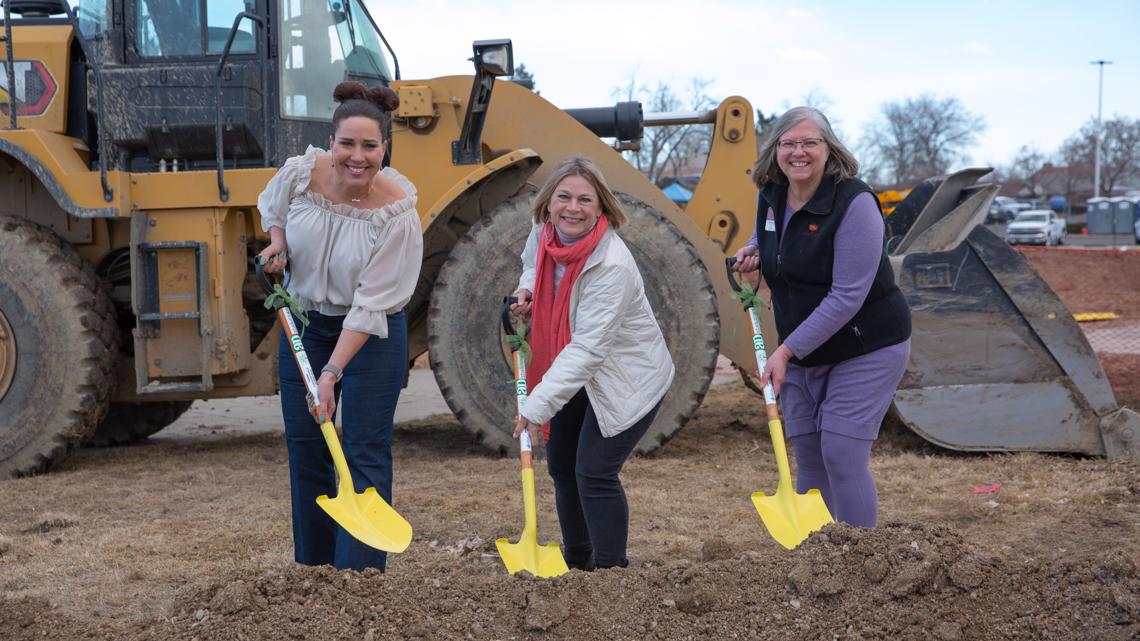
(1135, 209)
(1123, 213)
(1100, 219)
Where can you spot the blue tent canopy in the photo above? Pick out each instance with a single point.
(677, 193)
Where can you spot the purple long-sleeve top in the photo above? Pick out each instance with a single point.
(858, 249)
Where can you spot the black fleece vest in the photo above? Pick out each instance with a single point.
(797, 264)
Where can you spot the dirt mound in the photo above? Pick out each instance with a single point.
(1101, 281)
(900, 581)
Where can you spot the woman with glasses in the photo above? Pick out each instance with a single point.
(843, 324)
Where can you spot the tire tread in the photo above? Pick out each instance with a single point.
(82, 304)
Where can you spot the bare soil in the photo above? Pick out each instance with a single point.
(1101, 280)
(189, 538)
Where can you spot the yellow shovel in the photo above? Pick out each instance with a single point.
(543, 561)
(789, 517)
(364, 515)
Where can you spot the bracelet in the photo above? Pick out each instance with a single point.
(334, 370)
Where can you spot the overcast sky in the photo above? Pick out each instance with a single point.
(1022, 65)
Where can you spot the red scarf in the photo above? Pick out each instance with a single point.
(550, 315)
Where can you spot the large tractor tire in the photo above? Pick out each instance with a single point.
(58, 343)
(464, 342)
(127, 423)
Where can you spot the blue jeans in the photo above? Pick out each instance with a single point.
(367, 398)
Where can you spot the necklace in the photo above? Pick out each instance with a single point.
(356, 200)
(361, 197)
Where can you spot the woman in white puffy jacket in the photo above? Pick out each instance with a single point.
(600, 367)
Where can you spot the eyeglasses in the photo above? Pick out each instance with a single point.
(807, 143)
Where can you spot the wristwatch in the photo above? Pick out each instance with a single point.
(334, 370)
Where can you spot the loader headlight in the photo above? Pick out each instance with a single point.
(495, 57)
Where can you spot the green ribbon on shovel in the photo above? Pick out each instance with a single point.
(748, 297)
(279, 298)
(518, 341)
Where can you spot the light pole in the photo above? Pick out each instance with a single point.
(1099, 101)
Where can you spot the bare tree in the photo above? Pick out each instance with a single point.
(814, 98)
(1119, 150)
(916, 138)
(764, 127)
(1078, 170)
(1023, 169)
(665, 151)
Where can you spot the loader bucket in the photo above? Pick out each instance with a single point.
(997, 360)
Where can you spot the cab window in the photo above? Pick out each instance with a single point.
(182, 28)
(92, 16)
(324, 42)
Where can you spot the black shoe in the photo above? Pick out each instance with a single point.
(580, 558)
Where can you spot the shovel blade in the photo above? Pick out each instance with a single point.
(369, 519)
(543, 561)
(791, 517)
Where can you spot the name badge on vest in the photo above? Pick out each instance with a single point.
(770, 222)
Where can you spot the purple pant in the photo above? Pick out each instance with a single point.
(832, 415)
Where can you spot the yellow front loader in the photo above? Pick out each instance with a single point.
(134, 160)
(138, 134)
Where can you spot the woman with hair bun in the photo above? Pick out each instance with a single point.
(348, 230)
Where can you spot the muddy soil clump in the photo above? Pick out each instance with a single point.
(900, 581)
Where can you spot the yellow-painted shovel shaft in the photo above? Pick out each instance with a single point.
(776, 432)
(344, 477)
(530, 513)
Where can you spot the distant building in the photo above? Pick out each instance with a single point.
(1073, 183)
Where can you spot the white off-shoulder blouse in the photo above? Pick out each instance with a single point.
(345, 261)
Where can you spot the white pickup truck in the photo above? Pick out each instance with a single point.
(1036, 227)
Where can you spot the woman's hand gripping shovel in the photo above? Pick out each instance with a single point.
(789, 517)
(543, 561)
(364, 515)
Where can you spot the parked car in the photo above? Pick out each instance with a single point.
(1136, 228)
(1005, 208)
(1036, 227)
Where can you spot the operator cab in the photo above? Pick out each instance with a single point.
(158, 64)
